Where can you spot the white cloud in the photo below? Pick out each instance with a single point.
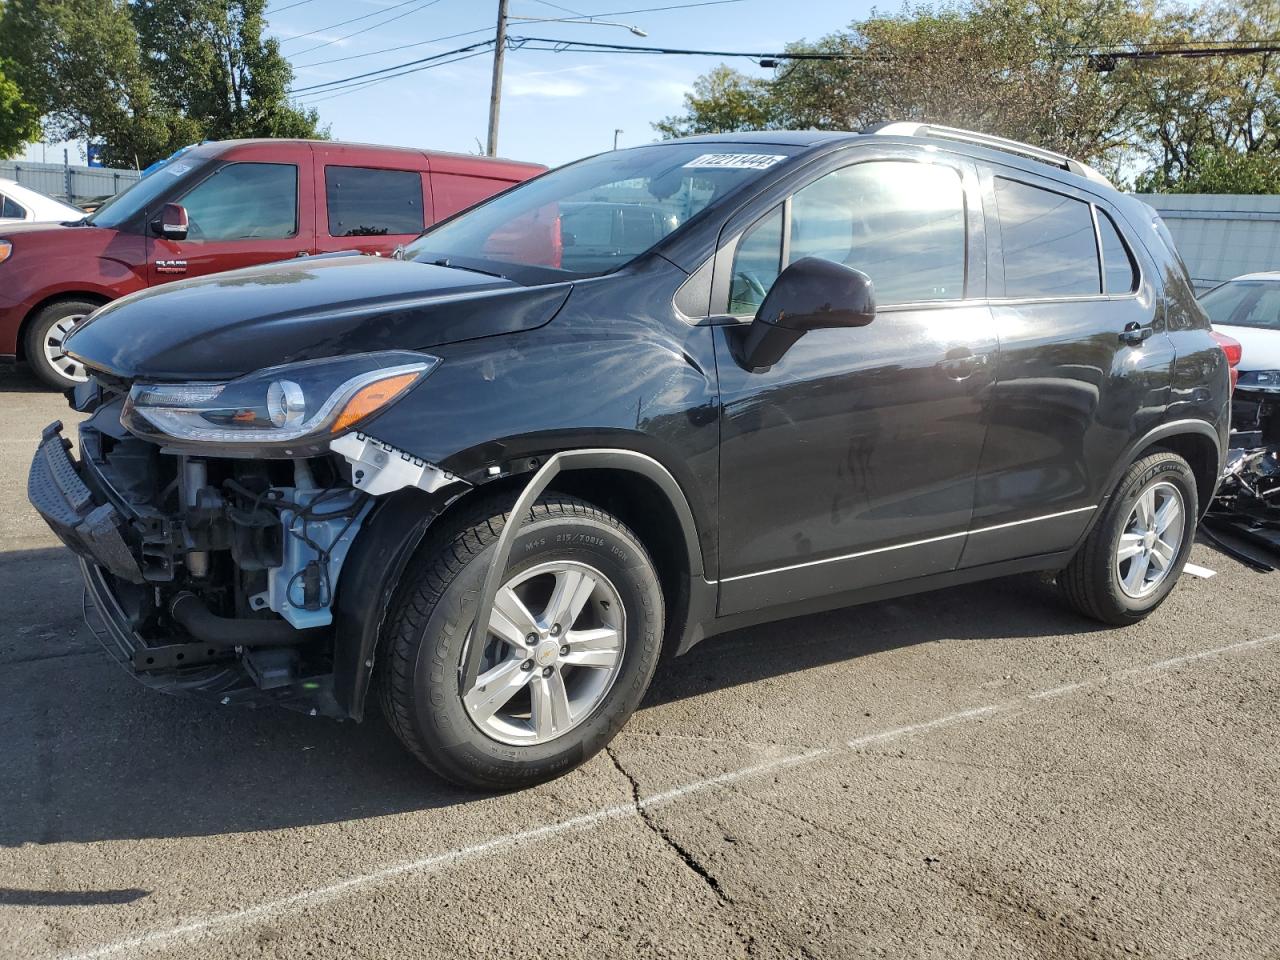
(552, 83)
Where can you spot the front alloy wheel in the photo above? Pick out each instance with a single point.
(543, 673)
(569, 649)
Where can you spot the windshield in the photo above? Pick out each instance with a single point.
(139, 196)
(597, 215)
(1245, 303)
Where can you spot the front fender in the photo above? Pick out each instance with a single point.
(372, 571)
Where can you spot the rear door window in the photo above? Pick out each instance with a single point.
(1050, 249)
(11, 210)
(367, 202)
(244, 201)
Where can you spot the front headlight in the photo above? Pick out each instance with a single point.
(1260, 380)
(297, 407)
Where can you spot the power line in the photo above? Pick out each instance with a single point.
(469, 33)
(289, 7)
(675, 6)
(312, 99)
(375, 26)
(343, 23)
(556, 6)
(403, 46)
(481, 46)
(551, 44)
(1132, 51)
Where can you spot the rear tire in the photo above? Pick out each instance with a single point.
(1135, 553)
(43, 343)
(561, 712)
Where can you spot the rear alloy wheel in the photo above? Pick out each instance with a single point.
(1135, 553)
(45, 343)
(1152, 539)
(570, 646)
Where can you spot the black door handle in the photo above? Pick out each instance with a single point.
(1135, 333)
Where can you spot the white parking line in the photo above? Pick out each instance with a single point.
(587, 821)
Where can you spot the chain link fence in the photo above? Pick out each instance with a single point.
(74, 184)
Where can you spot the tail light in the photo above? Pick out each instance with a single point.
(1231, 347)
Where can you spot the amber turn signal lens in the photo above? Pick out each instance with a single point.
(370, 398)
(6, 248)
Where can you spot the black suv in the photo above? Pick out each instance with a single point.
(645, 398)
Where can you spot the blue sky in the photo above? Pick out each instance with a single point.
(556, 106)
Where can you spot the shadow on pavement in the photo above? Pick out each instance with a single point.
(10, 897)
(18, 378)
(91, 755)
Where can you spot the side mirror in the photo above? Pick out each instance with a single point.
(811, 294)
(172, 222)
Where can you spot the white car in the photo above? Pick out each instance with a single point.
(19, 204)
(1248, 310)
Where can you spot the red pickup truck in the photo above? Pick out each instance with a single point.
(218, 206)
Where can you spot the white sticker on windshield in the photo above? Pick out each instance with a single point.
(177, 169)
(736, 161)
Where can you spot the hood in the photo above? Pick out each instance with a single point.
(1260, 346)
(229, 324)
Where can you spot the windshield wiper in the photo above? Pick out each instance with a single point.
(445, 262)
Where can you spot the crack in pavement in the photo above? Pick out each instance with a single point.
(638, 806)
(686, 857)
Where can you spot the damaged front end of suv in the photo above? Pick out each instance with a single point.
(1244, 517)
(214, 519)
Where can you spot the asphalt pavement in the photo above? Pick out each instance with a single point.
(976, 772)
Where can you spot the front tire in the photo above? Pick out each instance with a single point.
(570, 650)
(1132, 558)
(44, 343)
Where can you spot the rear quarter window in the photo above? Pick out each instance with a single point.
(1119, 271)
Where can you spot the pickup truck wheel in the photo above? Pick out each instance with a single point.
(1135, 554)
(44, 340)
(572, 644)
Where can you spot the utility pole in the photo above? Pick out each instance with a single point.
(495, 93)
(615, 138)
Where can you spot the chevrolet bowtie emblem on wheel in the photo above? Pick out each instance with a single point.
(171, 266)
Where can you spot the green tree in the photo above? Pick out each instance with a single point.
(1207, 110)
(723, 101)
(79, 63)
(19, 120)
(224, 76)
(147, 77)
(1219, 169)
(1015, 68)
(1008, 67)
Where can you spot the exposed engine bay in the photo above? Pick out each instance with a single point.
(222, 569)
(1244, 518)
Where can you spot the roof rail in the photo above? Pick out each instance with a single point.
(905, 128)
